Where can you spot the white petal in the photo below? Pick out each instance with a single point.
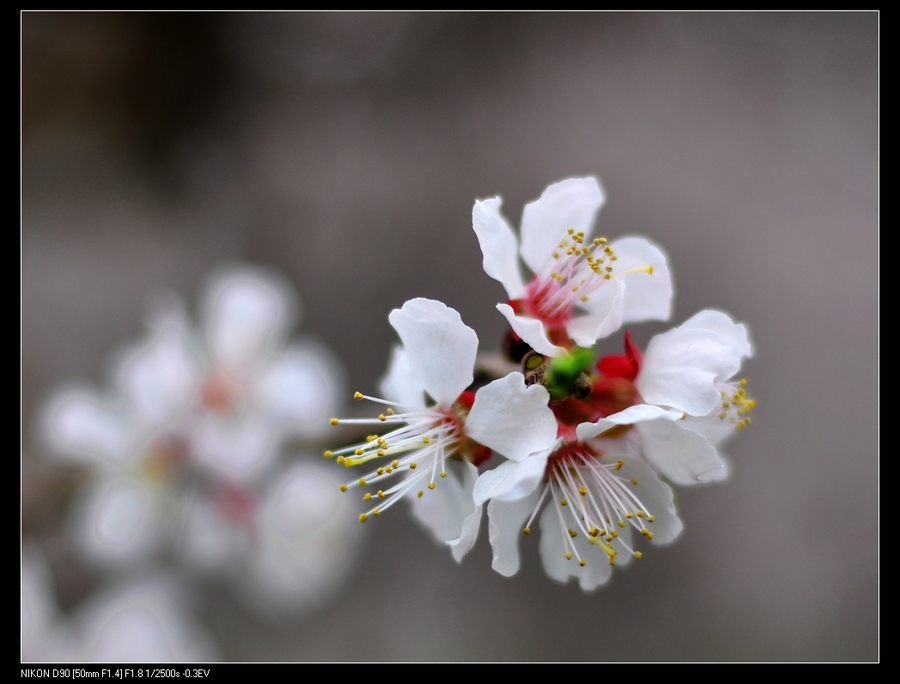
(682, 455)
(306, 541)
(648, 297)
(572, 203)
(449, 511)
(511, 418)
(506, 520)
(160, 377)
(498, 245)
(119, 520)
(302, 388)
(247, 309)
(597, 571)
(656, 497)
(531, 331)
(400, 384)
(80, 424)
(630, 416)
(460, 546)
(511, 481)
(681, 369)
(603, 317)
(721, 324)
(440, 348)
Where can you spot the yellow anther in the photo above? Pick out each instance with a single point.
(420, 494)
(359, 452)
(376, 512)
(413, 466)
(637, 554)
(612, 561)
(395, 463)
(629, 515)
(382, 417)
(339, 459)
(380, 494)
(426, 439)
(371, 438)
(621, 523)
(390, 411)
(556, 255)
(563, 502)
(573, 533)
(619, 464)
(388, 470)
(593, 532)
(526, 530)
(381, 452)
(363, 517)
(609, 269)
(650, 518)
(607, 277)
(647, 533)
(743, 382)
(343, 488)
(634, 481)
(431, 485)
(584, 299)
(334, 421)
(380, 471)
(358, 396)
(362, 482)
(568, 555)
(582, 490)
(614, 534)
(640, 514)
(443, 473)
(570, 231)
(367, 497)
(582, 562)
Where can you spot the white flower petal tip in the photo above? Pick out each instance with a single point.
(512, 418)
(645, 268)
(583, 289)
(498, 246)
(532, 331)
(440, 348)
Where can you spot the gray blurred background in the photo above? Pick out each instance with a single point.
(346, 150)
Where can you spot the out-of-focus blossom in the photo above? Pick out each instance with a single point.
(192, 410)
(141, 621)
(582, 289)
(437, 360)
(304, 541)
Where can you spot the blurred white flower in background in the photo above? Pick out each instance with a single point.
(185, 448)
(141, 620)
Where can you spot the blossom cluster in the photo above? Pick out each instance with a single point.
(589, 446)
(193, 455)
